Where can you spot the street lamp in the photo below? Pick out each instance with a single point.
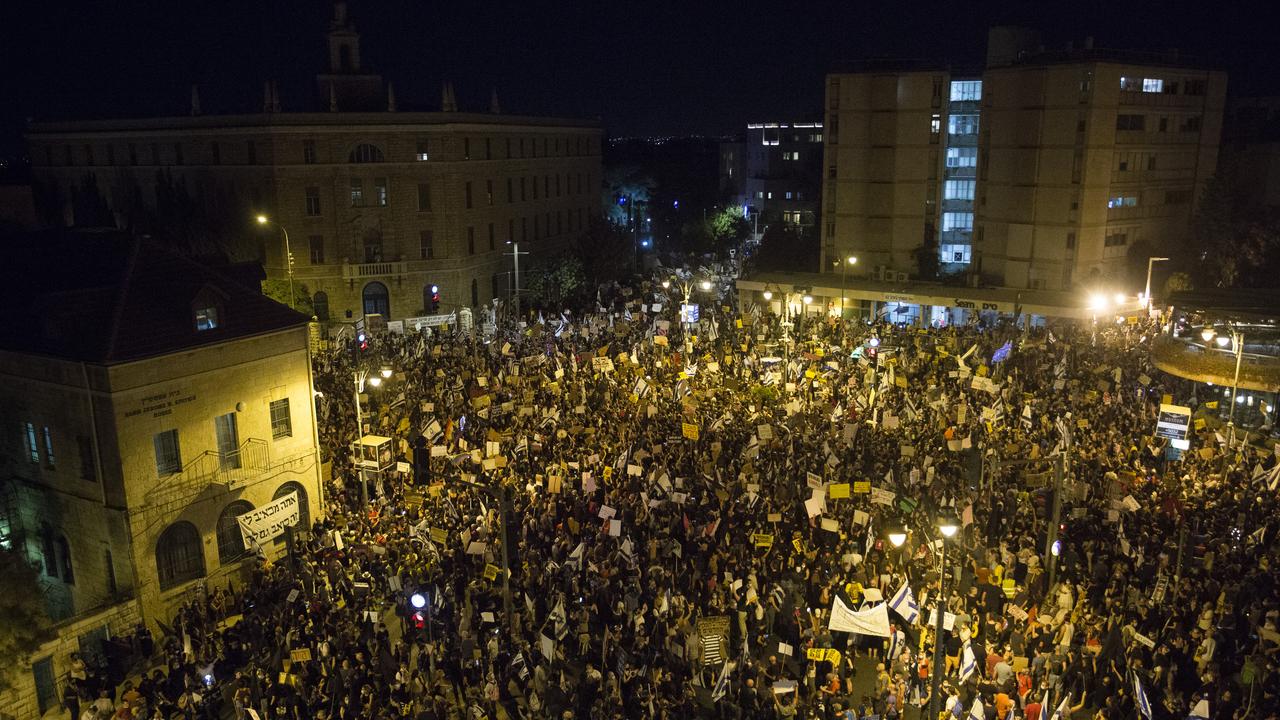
(897, 537)
(768, 294)
(844, 267)
(706, 285)
(515, 259)
(1147, 293)
(1236, 340)
(947, 526)
(288, 255)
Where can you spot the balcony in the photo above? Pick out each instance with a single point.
(1191, 360)
(214, 472)
(368, 270)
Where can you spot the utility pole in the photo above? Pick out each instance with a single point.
(515, 259)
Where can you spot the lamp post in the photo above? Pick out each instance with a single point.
(1147, 293)
(1236, 340)
(360, 377)
(844, 267)
(515, 259)
(947, 527)
(288, 255)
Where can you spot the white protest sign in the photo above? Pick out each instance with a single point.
(268, 521)
(882, 497)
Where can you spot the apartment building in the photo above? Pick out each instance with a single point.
(775, 174)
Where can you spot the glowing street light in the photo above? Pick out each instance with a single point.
(1098, 302)
(706, 284)
(768, 294)
(288, 254)
(417, 600)
(897, 537)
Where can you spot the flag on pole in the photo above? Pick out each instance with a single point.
(904, 603)
(722, 682)
(977, 712)
(969, 665)
(1061, 712)
(1044, 707)
(1201, 710)
(1140, 697)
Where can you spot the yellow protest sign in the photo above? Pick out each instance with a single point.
(839, 490)
(830, 655)
(862, 487)
(689, 430)
(799, 546)
(762, 540)
(900, 382)
(1199, 423)
(1211, 405)
(439, 536)
(608, 472)
(491, 572)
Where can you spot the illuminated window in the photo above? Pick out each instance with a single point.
(957, 221)
(281, 420)
(1152, 85)
(424, 151)
(952, 253)
(380, 193)
(962, 124)
(962, 157)
(1123, 201)
(958, 190)
(966, 91)
(33, 449)
(206, 317)
(357, 192)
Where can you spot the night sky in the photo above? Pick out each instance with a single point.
(651, 68)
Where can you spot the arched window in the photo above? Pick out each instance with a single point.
(179, 555)
(365, 153)
(230, 540)
(304, 512)
(320, 304)
(376, 299)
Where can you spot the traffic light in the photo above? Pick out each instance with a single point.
(435, 298)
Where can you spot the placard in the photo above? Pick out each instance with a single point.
(862, 487)
(839, 491)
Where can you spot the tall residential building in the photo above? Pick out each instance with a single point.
(776, 173)
(1045, 171)
(147, 401)
(380, 205)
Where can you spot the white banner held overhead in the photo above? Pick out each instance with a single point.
(872, 621)
(270, 520)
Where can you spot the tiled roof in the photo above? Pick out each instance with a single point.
(107, 297)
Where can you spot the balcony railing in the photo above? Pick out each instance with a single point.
(1188, 359)
(379, 269)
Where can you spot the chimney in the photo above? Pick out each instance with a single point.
(266, 96)
(448, 101)
(275, 96)
(1088, 43)
(195, 100)
(391, 97)
(494, 106)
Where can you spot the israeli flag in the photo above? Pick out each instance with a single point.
(1061, 712)
(1044, 707)
(1144, 706)
(969, 664)
(1201, 710)
(904, 603)
(977, 712)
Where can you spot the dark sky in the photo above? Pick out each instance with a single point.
(649, 67)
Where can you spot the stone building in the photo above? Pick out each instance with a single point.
(148, 400)
(379, 204)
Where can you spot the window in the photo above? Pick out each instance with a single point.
(1116, 239)
(315, 244)
(320, 306)
(281, 422)
(957, 221)
(1123, 201)
(787, 195)
(466, 148)
(357, 192)
(48, 448)
(64, 559)
(365, 153)
(251, 152)
(177, 154)
(1191, 124)
(1177, 197)
(426, 245)
(376, 299)
(790, 155)
(935, 126)
(471, 241)
(424, 197)
(508, 148)
(962, 124)
(33, 448)
(466, 193)
(88, 466)
(215, 153)
(1164, 124)
(424, 151)
(966, 90)
(488, 191)
(1071, 241)
(230, 539)
(957, 190)
(48, 556)
(206, 313)
(962, 157)
(168, 454)
(309, 152)
(133, 155)
(831, 171)
(523, 197)
(228, 437)
(1152, 85)
(955, 253)
(380, 193)
(511, 229)
(533, 181)
(1193, 87)
(1131, 122)
(313, 202)
(179, 555)
(1151, 162)
(488, 149)
(510, 194)
(492, 241)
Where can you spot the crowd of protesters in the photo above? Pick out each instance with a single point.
(680, 523)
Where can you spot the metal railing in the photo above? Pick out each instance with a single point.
(379, 269)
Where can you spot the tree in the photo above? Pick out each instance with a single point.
(278, 289)
(605, 252)
(553, 281)
(626, 188)
(1235, 245)
(24, 625)
(786, 248)
(1177, 282)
